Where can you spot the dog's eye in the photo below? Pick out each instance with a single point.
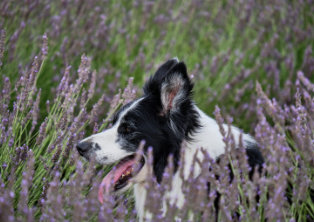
(124, 129)
(127, 129)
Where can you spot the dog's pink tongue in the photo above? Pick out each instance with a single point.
(105, 184)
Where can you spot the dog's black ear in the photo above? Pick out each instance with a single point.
(170, 85)
(176, 88)
(152, 86)
(164, 68)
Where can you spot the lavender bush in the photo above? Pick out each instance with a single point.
(252, 58)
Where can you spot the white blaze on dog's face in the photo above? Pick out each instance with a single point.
(163, 117)
(112, 146)
(106, 146)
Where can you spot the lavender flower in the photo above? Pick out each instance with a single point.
(44, 49)
(268, 42)
(2, 44)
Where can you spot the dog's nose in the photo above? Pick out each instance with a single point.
(83, 147)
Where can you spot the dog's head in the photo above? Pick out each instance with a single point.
(163, 117)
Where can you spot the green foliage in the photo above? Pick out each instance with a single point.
(226, 45)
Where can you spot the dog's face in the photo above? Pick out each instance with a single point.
(163, 117)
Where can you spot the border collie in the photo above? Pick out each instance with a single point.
(164, 117)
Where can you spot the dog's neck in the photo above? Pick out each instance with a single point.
(207, 137)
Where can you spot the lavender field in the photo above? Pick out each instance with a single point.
(67, 66)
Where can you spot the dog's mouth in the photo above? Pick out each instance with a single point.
(121, 176)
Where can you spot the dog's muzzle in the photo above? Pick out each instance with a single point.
(83, 148)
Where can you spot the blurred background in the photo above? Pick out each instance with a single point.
(227, 45)
(64, 65)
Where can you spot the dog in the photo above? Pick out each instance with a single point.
(164, 117)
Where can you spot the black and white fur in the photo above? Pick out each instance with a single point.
(164, 117)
